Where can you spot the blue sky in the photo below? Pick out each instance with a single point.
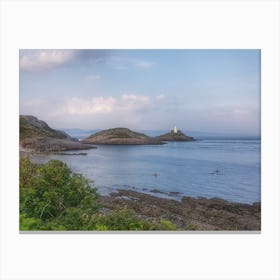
(201, 90)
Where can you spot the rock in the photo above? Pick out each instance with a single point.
(37, 136)
(175, 136)
(190, 213)
(71, 154)
(52, 145)
(120, 136)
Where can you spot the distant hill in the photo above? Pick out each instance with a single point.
(175, 136)
(120, 136)
(37, 136)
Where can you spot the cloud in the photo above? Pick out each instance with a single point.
(105, 105)
(44, 59)
(96, 105)
(94, 77)
(233, 113)
(126, 110)
(33, 106)
(134, 103)
(135, 98)
(123, 63)
(40, 60)
(144, 64)
(160, 97)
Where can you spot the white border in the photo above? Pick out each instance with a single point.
(140, 24)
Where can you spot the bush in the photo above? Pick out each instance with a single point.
(46, 191)
(29, 223)
(122, 219)
(166, 225)
(54, 198)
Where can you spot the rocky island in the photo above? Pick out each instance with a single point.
(37, 136)
(175, 135)
(121, 136)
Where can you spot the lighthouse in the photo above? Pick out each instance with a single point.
(175, 129)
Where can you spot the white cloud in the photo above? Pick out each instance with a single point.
(135, 98)
(94, 77)
(121, 63)
(238, 111)
(95, 105)
(103, 105)
(132, 102)
(235, 113)
(37, 60)
(160, 97)
(144, 64)
(33, 106)
(126, 110)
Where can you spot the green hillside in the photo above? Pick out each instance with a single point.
(32, 127)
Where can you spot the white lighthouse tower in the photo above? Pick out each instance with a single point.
(175, 129)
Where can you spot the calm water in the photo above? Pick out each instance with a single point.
(184, 168)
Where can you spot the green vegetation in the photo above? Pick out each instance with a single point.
(121, 135)
(117, 135)
(27, 130)
(54, 198)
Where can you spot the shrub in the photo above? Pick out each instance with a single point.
(46, 191)
(122, 219)
(29, 223)
(166, 225)
(54, 198)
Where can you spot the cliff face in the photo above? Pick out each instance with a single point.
(172, 136)
(36, 135)
(120, 136)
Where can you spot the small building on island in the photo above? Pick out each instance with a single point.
(175, 135)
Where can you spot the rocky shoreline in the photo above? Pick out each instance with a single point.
(190, 213)
(52, 145)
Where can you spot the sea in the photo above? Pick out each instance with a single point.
(222, 168)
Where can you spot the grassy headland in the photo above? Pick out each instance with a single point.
(37, 136)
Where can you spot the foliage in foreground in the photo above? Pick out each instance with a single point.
(54, 198)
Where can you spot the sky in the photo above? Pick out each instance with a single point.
(214, 91)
